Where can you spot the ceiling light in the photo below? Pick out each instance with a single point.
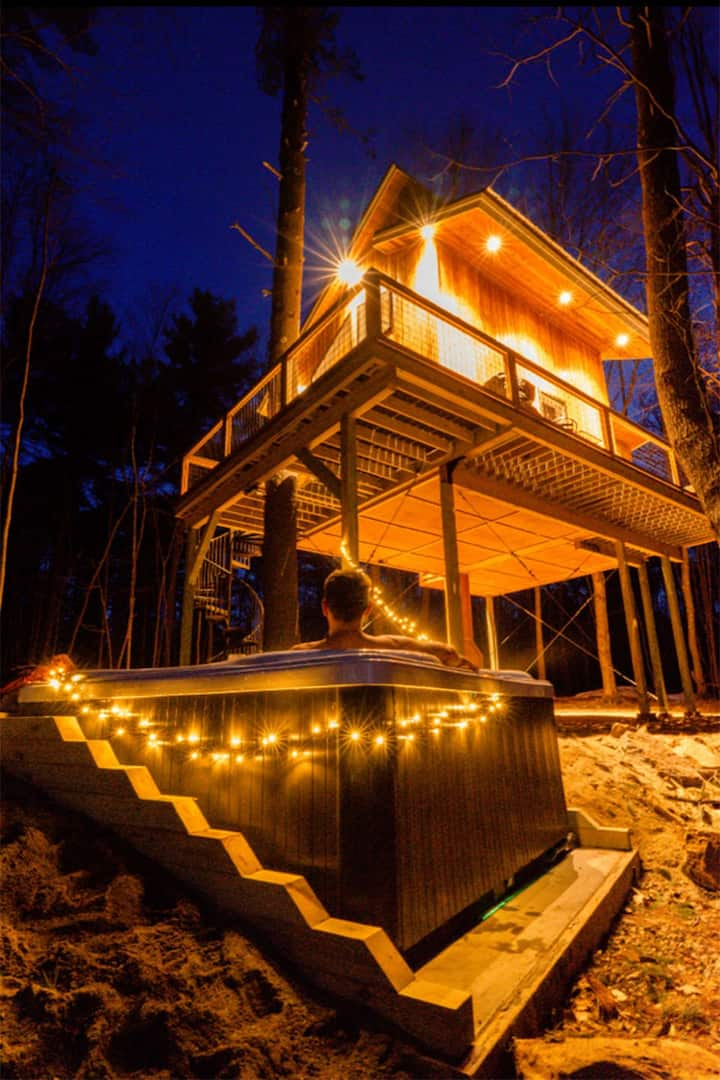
(493, 243)
(565, 298)
(622, 340)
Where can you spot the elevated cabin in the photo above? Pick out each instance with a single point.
(447, 414)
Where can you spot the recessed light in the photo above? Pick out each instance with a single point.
(493, 243)
(565, 298)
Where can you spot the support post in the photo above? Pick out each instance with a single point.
(653, 644)
(348, 488)
(633, 630)
(697, 666)
(469, 648)
(188, 600)
(453, 612)
(492, 641)
(539, 643)
(678, 636)
(195, 552)
(602, 635)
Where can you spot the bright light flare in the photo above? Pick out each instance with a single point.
(622, 340)
(493, 244)
(565, 298)
(349, 273)
(427, 231)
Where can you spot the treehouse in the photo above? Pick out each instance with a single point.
(445, 412)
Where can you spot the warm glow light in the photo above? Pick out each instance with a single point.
(378, 600)
(193, 737)
(493, 243)
(427, 232)
(565, 298)
(194, 756)
(355, 736)
(316, 729)
(121, 731)
(379, 740)
(55, 683)
(235, 741)
(622, 340)
(349, 273)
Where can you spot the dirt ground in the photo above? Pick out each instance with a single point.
(111, 970)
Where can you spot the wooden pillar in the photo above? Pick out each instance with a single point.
(697, 667)
(195, 551)
(188, 599)
(602, 634)
(348, 488)
(492, 641)
(678, 635)
(653, 645)
(539, 643)
(469, 648)
(453, 612)
(633, 629)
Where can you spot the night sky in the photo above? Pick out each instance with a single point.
(175, 131)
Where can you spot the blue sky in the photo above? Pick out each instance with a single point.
(172, 111)
(176, 130)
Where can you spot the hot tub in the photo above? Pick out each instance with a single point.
(406, 792)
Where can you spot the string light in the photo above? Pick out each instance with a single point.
(404, 623)
(473, 709)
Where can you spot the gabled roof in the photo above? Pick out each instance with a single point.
(529, 263)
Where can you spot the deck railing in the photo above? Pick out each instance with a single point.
(382, 309)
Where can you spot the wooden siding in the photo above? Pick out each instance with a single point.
(469, 292)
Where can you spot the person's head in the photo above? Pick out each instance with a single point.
(346, 595)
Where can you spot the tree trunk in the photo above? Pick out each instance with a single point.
(280, 589)
(685, 407)
(280, 584)
(20, 423)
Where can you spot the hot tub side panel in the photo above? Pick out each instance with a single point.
(474, 806)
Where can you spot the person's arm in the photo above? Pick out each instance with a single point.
(445, 653)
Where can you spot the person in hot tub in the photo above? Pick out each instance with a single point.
(346, 602)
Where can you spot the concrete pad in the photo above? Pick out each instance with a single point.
(518, 962)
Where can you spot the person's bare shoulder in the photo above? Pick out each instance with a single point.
(305, 645)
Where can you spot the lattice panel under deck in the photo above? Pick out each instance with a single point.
(557, 478)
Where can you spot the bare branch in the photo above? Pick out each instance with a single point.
(272, 169)
(254, 243)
